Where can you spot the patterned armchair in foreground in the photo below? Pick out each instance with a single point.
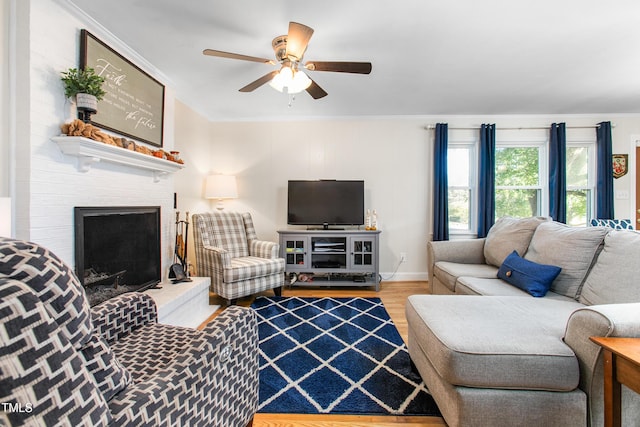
(228, 250)
(64, 363)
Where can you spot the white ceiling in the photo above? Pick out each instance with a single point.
(429, 57)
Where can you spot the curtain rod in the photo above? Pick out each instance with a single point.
(431, 127)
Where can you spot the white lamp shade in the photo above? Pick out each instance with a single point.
(5, 216)
(221, 187)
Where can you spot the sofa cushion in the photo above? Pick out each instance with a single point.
(571, 248)
(496, 287)
(448, 272)
(614, 276)
(508, 235)
(502, 342)
(527, 275)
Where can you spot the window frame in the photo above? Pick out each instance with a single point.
(543, 170)
(590, 145)
(472, 146)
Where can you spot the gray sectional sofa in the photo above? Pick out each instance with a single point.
(492, 354)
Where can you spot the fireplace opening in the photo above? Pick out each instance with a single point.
(117, 250)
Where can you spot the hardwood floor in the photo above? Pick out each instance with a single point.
(393, 295)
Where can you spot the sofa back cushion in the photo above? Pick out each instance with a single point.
(508, 235)
(571, 248)
(614, 276)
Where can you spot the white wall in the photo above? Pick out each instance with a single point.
(4, 98)
(48, 183)
(392, 155)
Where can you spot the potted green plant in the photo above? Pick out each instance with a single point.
(86, 87)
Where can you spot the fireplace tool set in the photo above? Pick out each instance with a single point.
(178, 271)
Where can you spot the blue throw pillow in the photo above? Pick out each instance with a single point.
(527, 275)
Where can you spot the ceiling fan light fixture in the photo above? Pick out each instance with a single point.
(293, 80)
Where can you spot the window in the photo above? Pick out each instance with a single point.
(461, 166)
(580, 183)
(520, 180)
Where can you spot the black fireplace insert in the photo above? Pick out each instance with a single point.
(117, 249)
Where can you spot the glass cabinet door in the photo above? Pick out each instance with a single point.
(295, 251)
(362, 253)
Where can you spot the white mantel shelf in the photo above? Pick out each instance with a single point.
(89, 152)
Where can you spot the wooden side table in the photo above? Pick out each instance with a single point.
(621, 366)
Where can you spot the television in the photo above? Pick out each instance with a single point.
(325, 202)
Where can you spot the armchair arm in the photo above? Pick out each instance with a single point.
(464, 251)
(214, 382)
(117, 317)
(263, 249)
(616, 320)
(211, 261)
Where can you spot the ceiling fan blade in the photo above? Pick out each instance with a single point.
(298, 39)
(222, 54)
(316, 91)
(339, 67)
(257, 83)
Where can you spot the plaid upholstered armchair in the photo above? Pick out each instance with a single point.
(228, 250)
(64, 363)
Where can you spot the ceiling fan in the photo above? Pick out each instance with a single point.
(289, 50)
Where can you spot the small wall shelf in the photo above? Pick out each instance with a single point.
(89, 152)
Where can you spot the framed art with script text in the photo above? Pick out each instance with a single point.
(134, 102)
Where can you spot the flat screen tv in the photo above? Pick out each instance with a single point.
(325, 202)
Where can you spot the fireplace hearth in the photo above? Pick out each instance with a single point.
(117, 250)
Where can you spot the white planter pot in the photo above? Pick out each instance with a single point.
(86, 102)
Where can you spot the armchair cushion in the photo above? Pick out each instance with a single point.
(39, 368)
(108, 372)
(53, 282)
(62, 295)
(252, 267)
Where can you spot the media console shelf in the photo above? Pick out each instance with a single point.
(332, 257)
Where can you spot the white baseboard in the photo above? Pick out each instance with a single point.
(404, 277)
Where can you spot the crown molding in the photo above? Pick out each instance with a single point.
(104, 34)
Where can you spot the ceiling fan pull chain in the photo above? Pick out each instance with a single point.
(291, 99)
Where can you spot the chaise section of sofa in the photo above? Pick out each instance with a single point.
(492, 354)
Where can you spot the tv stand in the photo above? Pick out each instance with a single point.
(331, 257)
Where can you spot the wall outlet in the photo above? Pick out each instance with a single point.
(403, 257)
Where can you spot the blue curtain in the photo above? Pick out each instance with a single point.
(486, 179)
(440, 184)
(558, 172)
(604, 172)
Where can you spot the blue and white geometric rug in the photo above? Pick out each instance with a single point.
(335, 355)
